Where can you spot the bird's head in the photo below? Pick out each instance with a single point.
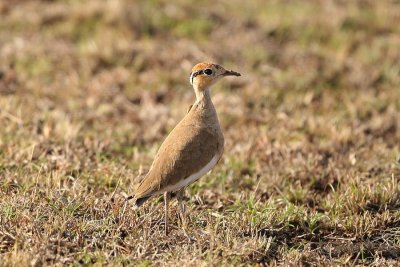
(204, 75)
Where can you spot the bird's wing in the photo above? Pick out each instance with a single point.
(186, 150)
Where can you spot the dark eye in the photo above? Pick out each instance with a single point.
(208, 71)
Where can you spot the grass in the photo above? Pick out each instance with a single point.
(311, 169)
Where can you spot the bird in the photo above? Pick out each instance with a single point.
(191, 149)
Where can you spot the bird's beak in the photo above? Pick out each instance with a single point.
(231, 73)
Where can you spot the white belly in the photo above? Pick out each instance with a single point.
(192, 178)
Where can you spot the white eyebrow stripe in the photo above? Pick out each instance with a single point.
(191, 78)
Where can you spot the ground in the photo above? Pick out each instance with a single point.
(311, 169)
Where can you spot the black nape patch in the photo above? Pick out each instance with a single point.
(199, 72)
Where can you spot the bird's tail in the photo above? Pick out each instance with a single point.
(138, 202)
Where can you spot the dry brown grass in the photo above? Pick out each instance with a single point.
(311, 170)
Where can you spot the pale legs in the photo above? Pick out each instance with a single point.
(180, 196)
(167, 196)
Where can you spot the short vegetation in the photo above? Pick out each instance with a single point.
(311, 169)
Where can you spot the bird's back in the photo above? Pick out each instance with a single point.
(193, 147)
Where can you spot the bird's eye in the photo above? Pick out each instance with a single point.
(208, 71)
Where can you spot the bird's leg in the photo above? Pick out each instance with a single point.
(180, 196)
(167, 196)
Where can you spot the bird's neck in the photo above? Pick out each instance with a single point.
(204, 108)
(202, 95)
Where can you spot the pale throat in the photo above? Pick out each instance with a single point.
(202, 94)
